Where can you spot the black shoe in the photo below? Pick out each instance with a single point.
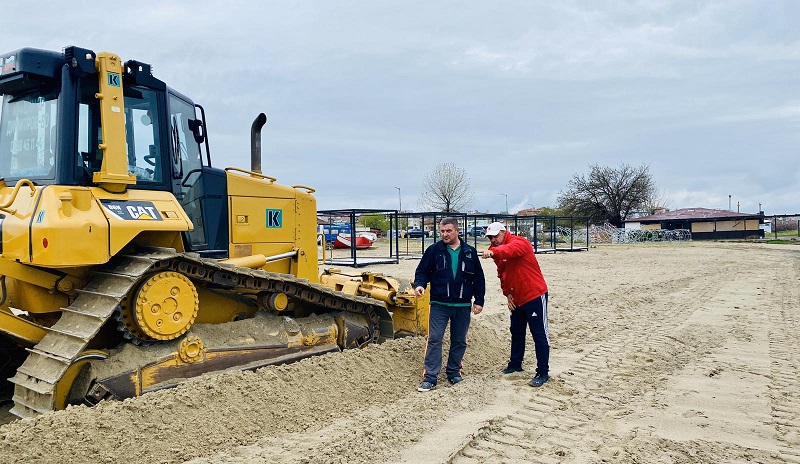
(426, 387)
(539, 380)
(511, 370)
(455, 380)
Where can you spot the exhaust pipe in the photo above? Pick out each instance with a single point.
(255, 142)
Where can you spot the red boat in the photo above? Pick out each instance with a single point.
(343, 241)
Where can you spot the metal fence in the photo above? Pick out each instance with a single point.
(607, 233)
(410, 234)
(782, 226)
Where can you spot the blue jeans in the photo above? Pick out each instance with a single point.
(533, 315)
(440, 315)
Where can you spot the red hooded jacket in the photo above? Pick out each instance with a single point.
(518, 269)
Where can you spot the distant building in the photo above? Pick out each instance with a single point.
(638, 214)
(703, 223)
(530, 212)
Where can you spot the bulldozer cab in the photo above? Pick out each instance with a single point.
(51, 133)
(200, 188)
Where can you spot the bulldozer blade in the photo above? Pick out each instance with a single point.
(171, 371)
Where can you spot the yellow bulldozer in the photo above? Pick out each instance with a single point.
(118, 236)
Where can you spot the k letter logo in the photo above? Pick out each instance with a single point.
(274, 218)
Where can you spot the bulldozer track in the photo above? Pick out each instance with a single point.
(36, 379)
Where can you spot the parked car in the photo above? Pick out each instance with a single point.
(476, 231)
(417, 233)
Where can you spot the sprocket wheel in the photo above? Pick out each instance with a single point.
(163, 307)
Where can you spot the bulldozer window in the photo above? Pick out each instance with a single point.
(185, 150)
(141, 128)
(27, 136)
(187, 163)
(141, 135)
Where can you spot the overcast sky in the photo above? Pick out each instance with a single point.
(364, 97)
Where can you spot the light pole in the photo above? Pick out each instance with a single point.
(506, 195)
(400, 199)
(729, 203)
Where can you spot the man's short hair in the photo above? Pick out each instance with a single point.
(449, 220)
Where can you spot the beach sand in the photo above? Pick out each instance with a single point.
(661, 353)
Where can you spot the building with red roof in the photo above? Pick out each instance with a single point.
(703, 223)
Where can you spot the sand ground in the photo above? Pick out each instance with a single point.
(666, 353)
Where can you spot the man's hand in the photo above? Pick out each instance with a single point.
(419, 291)
(476, 309)
(487, 254)
(511, 305)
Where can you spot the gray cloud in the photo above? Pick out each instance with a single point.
(366, 96)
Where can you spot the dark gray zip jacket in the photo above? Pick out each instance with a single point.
(435, 267)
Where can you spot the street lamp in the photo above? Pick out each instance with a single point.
(400, 199)
(506, 195)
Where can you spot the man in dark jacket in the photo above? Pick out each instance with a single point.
(454, 271)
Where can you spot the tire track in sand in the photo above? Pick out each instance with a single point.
(621, 371)
(784, 389)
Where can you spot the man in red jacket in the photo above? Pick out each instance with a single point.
(523, 285)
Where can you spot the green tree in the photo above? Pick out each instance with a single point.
(374, 221)
(550, 211)
(608, 194)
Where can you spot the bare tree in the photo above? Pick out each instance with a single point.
(609, 194)
(446, 189)
(657, 201)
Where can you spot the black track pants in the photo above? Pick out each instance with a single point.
(533, 315)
